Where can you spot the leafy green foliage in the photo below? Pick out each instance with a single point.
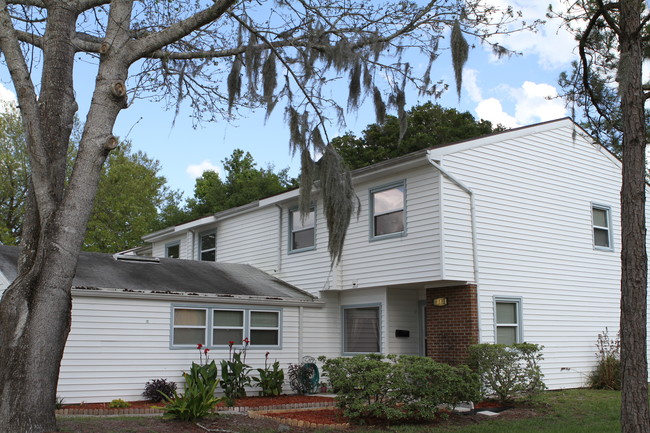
(243, 184)
(429, 125)
(235, 377)
(156, 389)
(198, 400)
(118, 403)
(607, 374)
(508, 371)
(270, 379)
(398, 388)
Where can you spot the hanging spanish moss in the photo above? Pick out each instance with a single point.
(269, 82)
(354, 87)
(459, 53)
(234, 82)
(380, 106)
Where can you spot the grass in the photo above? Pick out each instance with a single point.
(569, 411)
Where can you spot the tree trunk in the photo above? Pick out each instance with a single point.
(634, 368)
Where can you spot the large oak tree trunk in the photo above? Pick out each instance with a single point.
(634, 368)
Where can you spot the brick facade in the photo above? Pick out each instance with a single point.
(454, 327)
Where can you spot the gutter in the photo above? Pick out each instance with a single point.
(92, 292)
(472, 211)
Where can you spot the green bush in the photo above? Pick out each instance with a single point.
(271, 379)
(398, 388)
(607, 374)
(155, 389)
(508, 371)
(118, 403)
(234, 377)
(198, 399)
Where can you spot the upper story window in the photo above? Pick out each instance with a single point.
(507, 312)
(387, 212)
(301, 231)
(173, 250)
(601, 220)
(208, 247)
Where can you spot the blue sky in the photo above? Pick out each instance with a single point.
(512, 91)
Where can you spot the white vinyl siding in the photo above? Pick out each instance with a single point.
(116, 345)
(571, 289)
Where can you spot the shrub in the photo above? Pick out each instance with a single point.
(118, 403)
(271, 379)
(234, 374)
(198, 399)
(508, 371)
(607, 374)
(155, 389)
(398, 388)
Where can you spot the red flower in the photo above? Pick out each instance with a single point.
(231, 343)
(267, 354)
(199, 346)
(206, 351)
(246, 340)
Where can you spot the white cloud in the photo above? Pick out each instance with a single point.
(470, 85)
(552, 44)
(7, 97)
(195, 171)
(492, 110)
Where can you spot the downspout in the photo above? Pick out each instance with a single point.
(278, 266)
(472, 211)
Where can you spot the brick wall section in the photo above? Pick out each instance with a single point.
(454, 327)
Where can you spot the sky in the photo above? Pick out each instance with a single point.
(513, 91)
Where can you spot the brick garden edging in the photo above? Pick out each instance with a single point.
(296, 422)
(226, 409)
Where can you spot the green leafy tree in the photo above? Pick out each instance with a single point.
(244, 183)
(429, 125)
(218, 57)
(126, 206)
(612, 44)
(14, 175)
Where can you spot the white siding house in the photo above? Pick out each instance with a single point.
(507, 222)
(510, 237)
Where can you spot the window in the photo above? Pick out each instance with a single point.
(601, 220)
(173, 250)
(361, 329)
(265, 328)
(208, 247)
(508, 320)
(228, 325)
(387, 210)
(301, 231)
(216, 326)
(189, 326)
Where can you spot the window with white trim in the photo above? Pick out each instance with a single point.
(217, 326)
(301, 231)
(189, 326)
(601, 221)
(173, 250)
(208, 247)
(507, 314)
(387, 210)
(361, 331)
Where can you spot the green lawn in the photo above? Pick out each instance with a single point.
(571, 411)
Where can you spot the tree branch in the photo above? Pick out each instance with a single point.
(155, 41)
(585, 64)
(35, 3)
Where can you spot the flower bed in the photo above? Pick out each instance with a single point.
(314, 417)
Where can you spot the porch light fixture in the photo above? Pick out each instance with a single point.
(439, 302)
